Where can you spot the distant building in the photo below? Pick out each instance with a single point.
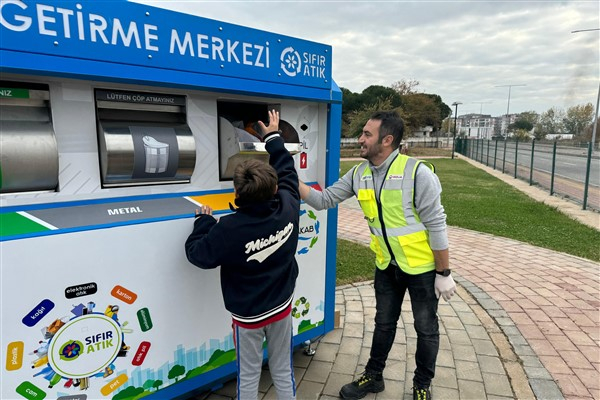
(504, 121)
(482, 126)
(450, 125)
(477, 126)
(422, 132)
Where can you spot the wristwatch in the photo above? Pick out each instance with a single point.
(445, 272)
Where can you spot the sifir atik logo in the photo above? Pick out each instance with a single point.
(306, 64)
(85, 346)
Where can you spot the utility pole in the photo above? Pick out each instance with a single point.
(595, 127)
(508, 105)
(455, 104)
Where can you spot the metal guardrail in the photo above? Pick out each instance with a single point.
(570, 171)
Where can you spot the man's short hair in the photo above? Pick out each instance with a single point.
(391, 124)
(254, 181)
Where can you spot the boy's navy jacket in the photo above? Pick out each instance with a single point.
(255, 247)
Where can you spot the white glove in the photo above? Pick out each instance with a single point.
(444, 286)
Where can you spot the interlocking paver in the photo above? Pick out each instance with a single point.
(309, 390)
(319, 371)
(395, 370)
(353, 330)
(350, 345)
(497, 384)
(326, 352)
(468, 370)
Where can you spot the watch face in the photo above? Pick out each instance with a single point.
(445, 272)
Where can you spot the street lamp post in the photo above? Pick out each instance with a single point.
(594, 128)
(455, 104)
(508, 106)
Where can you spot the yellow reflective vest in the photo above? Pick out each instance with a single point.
(397, 234)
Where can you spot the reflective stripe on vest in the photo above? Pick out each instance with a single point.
(407, 238)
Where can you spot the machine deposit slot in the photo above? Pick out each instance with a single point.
(239, 137)
(144, 138)
(29, 156)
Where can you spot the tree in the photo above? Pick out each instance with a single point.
(358, 119)
(422, 109)
(520, 124)
(157, 384)
(419, 110)
(350, 101)
(550, 123)
(148, 384)
(375, 93)
(578, 118)
(529, 116)
(444, 109)
(404, 87)
(448, 125)
(130, 392)
(521, 134)
(587, 135)
(215, 355)
(354, 102)
(176, 372)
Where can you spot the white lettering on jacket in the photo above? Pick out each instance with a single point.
(264, 247)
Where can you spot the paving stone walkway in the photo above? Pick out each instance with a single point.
(475, 360)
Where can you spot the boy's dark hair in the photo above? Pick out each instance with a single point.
(254, 181)
(391, 124)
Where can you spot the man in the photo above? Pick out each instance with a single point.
(400, 197)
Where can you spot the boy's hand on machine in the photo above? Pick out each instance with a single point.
(273, 124)
(205, 210)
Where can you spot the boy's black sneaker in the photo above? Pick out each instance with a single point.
(367, 383)
(421, 393)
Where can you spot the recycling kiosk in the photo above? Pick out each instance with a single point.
(117, 123)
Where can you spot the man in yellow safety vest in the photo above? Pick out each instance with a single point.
(400, 198)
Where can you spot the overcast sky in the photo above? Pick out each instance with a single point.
(460, 50)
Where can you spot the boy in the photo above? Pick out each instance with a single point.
(255, 248)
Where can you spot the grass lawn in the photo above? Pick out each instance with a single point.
(355, 263)
(475, 200)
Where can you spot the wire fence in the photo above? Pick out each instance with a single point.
(429, 142)
(569, 171)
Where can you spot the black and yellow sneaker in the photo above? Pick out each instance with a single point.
(421, 393)
(368, 383)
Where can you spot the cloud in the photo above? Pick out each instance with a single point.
(461, 50)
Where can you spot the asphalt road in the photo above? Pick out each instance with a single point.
(570, 163)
